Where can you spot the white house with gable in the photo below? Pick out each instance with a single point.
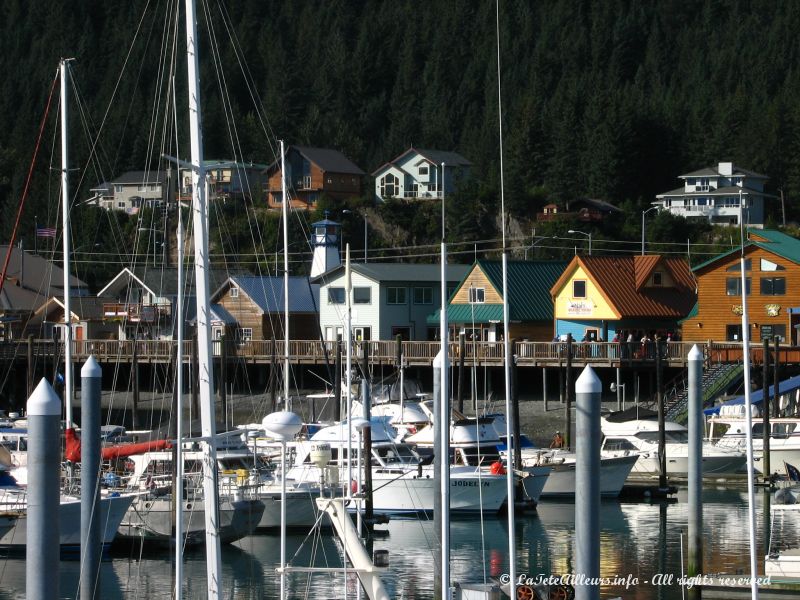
(713, 194)
(420, 174)
(388, 299)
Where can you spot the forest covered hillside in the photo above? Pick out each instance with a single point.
(610, 100)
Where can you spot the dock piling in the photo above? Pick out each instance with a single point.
(695, 552)
(91, 534)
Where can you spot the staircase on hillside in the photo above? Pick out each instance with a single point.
(718, 378)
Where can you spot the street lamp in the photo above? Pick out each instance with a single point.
(583, 233)
(614, 387)
(536, 243)
(644, 212)
(364, 214)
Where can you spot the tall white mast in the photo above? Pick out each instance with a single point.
(202, 262)
(286, 402)
(444, 414)
(179, 419)
(748, 405)
(68, 385)
(512, 554)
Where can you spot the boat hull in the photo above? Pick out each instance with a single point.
(301, 509)
(112, 512)
(613, 473)
(151, 520)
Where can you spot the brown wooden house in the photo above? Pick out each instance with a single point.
(252, 308)
(772, 271)
(312, 173)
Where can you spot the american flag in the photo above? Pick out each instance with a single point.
(46, 232)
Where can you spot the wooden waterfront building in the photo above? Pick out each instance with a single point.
(772, 268)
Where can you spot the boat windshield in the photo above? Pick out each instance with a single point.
(671, 437)
(617, 444)
(398, 454)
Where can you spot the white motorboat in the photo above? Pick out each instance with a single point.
(14, 500)
(640, 436)
(402, 481)
(727, 430)
(15, 440)
(240, 478)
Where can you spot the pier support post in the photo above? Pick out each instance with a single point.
(135, 382)
(776, 374)
(695, 553)
(437, 461)
(544, 387)
(568, 407)
(91, 533)
(662, 436)
(42, 552)
(765, 466)
(588, 390)
(462, 347)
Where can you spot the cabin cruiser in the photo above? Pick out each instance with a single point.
(402, 481)
(14, 503)
(727, 431)
(15, 440)
(640, 436)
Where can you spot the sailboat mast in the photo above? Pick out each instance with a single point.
(748, 411)
(65, 234)
(512, 554)
(202, 262)
(286, 401)
(179, 418)
(444, 416)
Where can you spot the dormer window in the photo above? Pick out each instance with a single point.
(234, 292)
(477, 295)
(423, 170)
(658, 277)
(579, 288)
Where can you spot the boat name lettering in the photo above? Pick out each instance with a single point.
(462, 483)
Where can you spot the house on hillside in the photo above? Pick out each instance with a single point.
(597, 297)
(133, 191)
(253, 308)
(312, 173)
(712, 194)
(388, 299)
(476, 306)
(420, 174)
(227, 180)
(585, 210)
(30, 280)
(772, 271)
(142, 301)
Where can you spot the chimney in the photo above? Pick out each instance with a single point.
(725, 168)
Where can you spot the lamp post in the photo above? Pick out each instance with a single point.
(364, 215)
(536, 243)
(644, 212)
(583, 233)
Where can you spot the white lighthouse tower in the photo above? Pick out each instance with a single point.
(325, 242)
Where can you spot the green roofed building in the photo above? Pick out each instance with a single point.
(476, 306)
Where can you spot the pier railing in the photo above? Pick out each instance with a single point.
(415, 353)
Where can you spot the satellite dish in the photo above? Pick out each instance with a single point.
(5, 458)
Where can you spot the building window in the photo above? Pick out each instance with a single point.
(477, 295)
(748, 264)
(768, 265)
(395, 295)
(579, 288)
(773, 286)
(120, 205)
(423, 295)
(733, 286)
(733, 333)
(404, 333)
(362, 295)
(658, 277)
(244, 334)
(362, 334)
(770, 332)
(389, 184)
(336, 295)
(423, 170)
(234, 292)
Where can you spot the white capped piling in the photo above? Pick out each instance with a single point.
(91, 534)
(587, 483)
(695, 555)
(44, 478)
(441, 499)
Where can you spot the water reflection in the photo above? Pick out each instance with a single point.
(639, 540)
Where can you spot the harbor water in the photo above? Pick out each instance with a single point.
(640, 546)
